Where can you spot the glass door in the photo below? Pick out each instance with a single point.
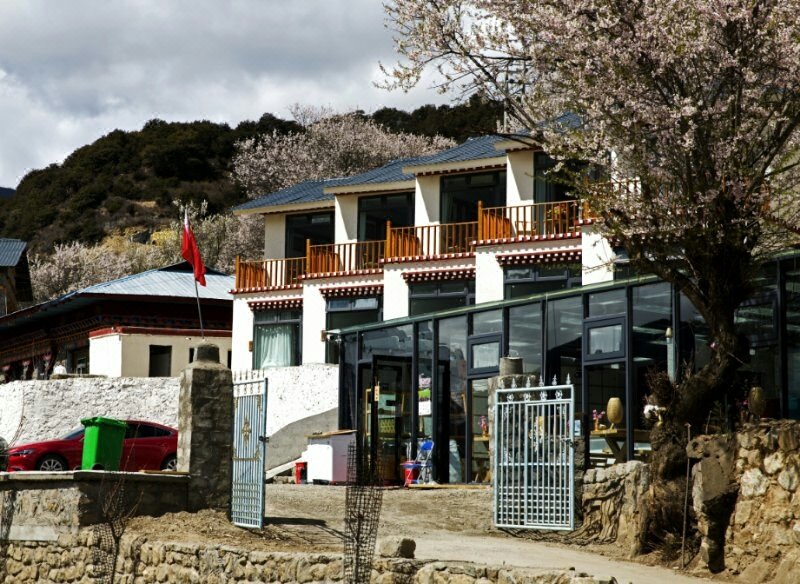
(391, 423)
(606, 406)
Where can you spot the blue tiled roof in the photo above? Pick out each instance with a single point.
(309, 191)
(388, 173)
(174, 281)
(472, 149)
(11, 251)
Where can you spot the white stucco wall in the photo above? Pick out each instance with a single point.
(242, 335)
(105, 356)
(488, 276)
(598, 257)
(40, 410)
(314, 312)
(519, 178)
(426, 200)
(130, 353)
(274, 236)
(295, 393)
(346, 219)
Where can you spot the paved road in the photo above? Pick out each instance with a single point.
(530, 554)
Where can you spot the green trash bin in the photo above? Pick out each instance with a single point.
(102, 443)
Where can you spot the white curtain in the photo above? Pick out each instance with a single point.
(274, 346)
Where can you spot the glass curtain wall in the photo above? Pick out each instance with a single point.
(792, 294)
(453, 383)
(525, 337)
(564, 348)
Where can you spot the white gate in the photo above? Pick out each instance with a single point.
(533, 457)
(249, 452)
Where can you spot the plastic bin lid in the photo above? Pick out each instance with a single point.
(100, 421)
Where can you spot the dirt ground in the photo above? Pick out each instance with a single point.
(311, 518)
(453, 524)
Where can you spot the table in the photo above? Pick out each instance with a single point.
(615, 438)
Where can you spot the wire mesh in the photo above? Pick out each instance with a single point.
(363, 501)
(7, 503)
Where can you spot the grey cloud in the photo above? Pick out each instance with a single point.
(75, 70)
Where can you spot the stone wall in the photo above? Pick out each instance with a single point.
(762, 539)
(70, 560)
(612, 501)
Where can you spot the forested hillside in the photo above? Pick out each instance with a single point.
(126, 181)
(5, 192)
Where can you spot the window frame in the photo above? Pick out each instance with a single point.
(382, 198)
(499, 185)
(308, 216)
(296, 320)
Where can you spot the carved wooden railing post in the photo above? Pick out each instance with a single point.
(388, 252)
(480, 220)
(309, 261)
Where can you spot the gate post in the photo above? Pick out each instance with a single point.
(205, 430)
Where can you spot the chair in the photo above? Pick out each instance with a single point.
(423, 464)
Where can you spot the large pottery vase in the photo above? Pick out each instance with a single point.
(756, 401)
(614, 411)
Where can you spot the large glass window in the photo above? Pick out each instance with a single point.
(607, 303)
(549, 185)
(391, 341)
(460, 195)
(653, 349)
(525, 337)
(427, 297)
(479, 430)
(374, 212)
(346, 312)
(564, 334)
(453, 381)
(318, 227)
(276, 338)
(793, 337)
(524, 281)
(425, 380)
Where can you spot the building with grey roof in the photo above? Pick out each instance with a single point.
(143, 325)
(15, 279)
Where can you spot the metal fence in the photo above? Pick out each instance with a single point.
(533, 457)
(249, 450)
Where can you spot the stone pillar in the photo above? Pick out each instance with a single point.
(205, 427)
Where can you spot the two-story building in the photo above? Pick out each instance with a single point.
(418, 276)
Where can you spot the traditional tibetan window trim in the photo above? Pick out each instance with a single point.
(266, 289)
(321, 275)
(430, 258)
(562, 256)
(284, 303)
(438, 275)
(526, 238)
(588, 221)
(352, 291)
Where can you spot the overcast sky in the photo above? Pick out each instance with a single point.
(71, 71)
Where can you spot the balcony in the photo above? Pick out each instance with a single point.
(345, 258)
(428, 241)
(518, 223)
(534, 221)
(261, 274)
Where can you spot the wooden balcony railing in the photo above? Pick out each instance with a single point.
(338, 258)
(538, 219)
(430, 240)
(269, 273)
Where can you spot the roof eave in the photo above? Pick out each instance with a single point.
(461, 165)
(285, 208)
(404, 185)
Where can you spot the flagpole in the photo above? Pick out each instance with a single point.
(199, 312)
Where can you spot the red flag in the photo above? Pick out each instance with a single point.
(191, 253)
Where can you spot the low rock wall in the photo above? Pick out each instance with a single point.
(612, 501)
(73, 559)
(746, 496)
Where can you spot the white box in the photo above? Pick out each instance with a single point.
(326, 456)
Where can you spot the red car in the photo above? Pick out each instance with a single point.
(147, 446)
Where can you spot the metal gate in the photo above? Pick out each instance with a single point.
(249, 452)
(533, 457)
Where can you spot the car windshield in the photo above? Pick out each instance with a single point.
(76, 433)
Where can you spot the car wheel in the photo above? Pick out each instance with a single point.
(170, 463)
(52, 463)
